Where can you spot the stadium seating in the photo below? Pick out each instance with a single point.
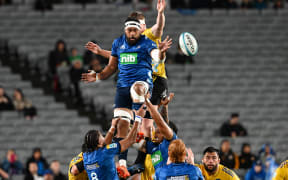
(58, 131)
(241, 67)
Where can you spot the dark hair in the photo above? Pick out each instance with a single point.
(234, 115)
(137, 15)
(20, 91)
(132, 19)
(223, 141)
(91, 140)
(60, 41)
(243, 146)
(173, 127)
(211, 149)
(54, 161)
(37, 149)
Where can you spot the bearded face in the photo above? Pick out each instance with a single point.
(132, 35)
(211, 161)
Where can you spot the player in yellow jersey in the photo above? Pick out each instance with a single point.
(282, 171)
(211, 167)
(82, 175)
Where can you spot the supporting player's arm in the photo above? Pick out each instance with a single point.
(110, 134)
(161, 124)
(110, 69)
(164, 110)
(157, 29)
(96, 49)
(131, 138)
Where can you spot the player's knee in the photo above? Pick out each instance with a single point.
(138, 91)
(124, 114)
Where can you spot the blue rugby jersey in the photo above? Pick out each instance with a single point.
(100, 164)
(134, 62)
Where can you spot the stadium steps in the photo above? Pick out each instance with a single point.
(58, 131)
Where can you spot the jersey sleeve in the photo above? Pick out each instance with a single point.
(199, 173)
(150, 45)
(150, 35)
(80, 166)
(279, 174)
(157, 174)
(112, 149)
(235, 177)
(114, 48)
(173, 138)
(149, 146)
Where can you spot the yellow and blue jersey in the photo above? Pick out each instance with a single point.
(223, 173)
(82, 175)
(134, 62)
(149, 170)
(179, 171)
(158, 68)
(282, 171)
(99, 164)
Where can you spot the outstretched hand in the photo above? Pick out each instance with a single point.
(89, 77)
(165, 45)
(95, 48)
(167, 100)
(161, 4)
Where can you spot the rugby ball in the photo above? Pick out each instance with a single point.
(188, 44)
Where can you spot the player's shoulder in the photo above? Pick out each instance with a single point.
(148, 32)
(120, 39)
(199, 166)
(77, 159)
(228, 173)
(147, 40)
(284, 164)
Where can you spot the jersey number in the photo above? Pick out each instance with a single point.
(94, 176)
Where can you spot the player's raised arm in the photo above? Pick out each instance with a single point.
(110, 69)
(96, 49)
(157, 29)
(110, 134)
(164, 111)
(164, 129)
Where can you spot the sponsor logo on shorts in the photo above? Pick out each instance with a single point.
(128, 58)
(183, 177)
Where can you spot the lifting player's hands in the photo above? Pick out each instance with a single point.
(141, 111)
(161, 4)
(165, 45)
(165, 101)
(89, 77)
(93, 47)
(115, 122)
(190, 156)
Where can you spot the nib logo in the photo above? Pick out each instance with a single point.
(128, 58)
